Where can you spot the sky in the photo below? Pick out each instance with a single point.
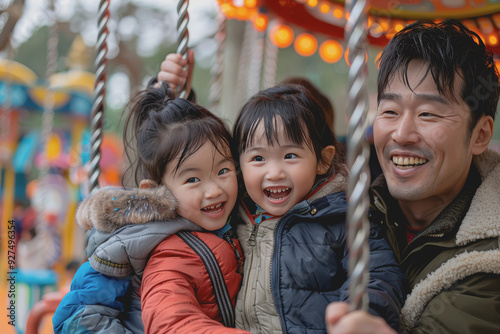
(36, 15)
(201, 26)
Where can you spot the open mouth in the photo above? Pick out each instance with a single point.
(405, 162)
(277, 193)
(213, 208)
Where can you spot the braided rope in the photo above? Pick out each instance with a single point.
(358, 155)
(218, 66)
(246, 48)
(48, 112)
(270, 64)
(255, 68)
(182, 38)
(97, 118)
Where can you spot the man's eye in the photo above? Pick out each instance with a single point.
(290, 156)
(223, 171)
(258, 158)
(193, 180)
(427, 114)
(389, 112)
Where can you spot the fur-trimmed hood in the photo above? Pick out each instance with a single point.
(109, 208)
(121, 241)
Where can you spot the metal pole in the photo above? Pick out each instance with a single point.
(358, 154)
(97, 117)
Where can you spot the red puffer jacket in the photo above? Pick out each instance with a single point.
(176, 292)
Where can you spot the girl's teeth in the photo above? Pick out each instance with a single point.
(210, 208)
(277, 191)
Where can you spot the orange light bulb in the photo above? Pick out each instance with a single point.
(330, 51)
(260, 22)
(282, 36)
(305, 44)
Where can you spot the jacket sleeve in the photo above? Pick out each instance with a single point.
(92, 305)
(387, 286)
(168, 299)
(470, 306)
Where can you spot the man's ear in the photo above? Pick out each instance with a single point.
(481, 135)
(325, 162)
(147, 183)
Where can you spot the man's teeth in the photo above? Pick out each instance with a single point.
(408, 161)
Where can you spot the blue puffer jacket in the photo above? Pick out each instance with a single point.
(295, 265)
(127, 224)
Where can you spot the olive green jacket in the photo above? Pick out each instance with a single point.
(453, 265)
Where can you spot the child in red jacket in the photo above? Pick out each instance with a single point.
(183, 147)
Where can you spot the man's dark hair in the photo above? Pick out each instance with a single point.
(448, 48)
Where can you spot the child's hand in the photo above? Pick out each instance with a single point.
(172, 70)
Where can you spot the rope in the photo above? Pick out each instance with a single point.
(218, 66)
(358, 154)
(97, 117)
(255, 68)
(182, 38)
(48, 112)
(47, 232)
(246, 48)
(271, 63)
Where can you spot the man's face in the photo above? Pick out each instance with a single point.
(421, 139)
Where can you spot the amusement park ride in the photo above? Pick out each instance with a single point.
(334, 29)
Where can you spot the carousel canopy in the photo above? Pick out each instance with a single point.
(385, 18)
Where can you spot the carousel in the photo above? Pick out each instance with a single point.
(333, 29)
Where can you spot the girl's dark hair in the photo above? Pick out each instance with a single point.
(303, 120)
(160, 128)
(448, 48)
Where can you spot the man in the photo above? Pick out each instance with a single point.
(438, 199)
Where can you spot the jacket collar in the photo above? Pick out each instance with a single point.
(483, 218)
(336, 183)
(477, 210)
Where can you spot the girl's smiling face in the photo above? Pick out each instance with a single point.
(205, 186)
(278, 175)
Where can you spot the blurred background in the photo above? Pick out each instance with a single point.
(47, 75)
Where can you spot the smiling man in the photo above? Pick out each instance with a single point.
(438, 199)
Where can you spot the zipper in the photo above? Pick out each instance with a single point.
(249, 298)
(275, 258)
(239, 259)
(251, 240)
